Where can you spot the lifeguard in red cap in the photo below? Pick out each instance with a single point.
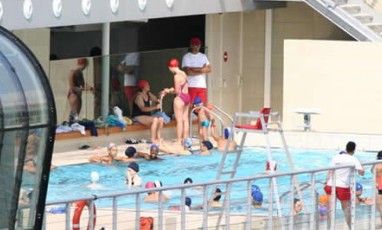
(196, 65)
(76, 86)
(181, 101)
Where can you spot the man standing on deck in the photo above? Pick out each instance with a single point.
(196, 66)
(343, 177)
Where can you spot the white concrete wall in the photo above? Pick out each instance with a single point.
(342, 79)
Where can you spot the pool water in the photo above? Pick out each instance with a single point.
(71, 181)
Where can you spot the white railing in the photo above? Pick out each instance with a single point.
(123, 210)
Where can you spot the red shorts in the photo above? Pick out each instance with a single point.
(129, 92)
(197, 92)
(341, 193)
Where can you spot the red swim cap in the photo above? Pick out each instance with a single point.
(82, 61)
(195, 41)
(173, 63)
(142, 83)
(150, 185)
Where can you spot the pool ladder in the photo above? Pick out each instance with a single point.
(268, 121)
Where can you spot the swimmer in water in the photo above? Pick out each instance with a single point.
(153, 197)
(112, 155)
(94, 177)
(132, 177)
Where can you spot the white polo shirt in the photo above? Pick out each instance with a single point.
(343, 176)
(197, 61)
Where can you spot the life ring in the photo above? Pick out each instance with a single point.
(77, 214)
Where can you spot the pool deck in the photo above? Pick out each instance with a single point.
(66, 151)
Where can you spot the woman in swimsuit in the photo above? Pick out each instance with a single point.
(76, 86)
(145, 103)
(181, 101)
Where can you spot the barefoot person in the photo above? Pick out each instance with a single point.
(181, 101)
(145, 103)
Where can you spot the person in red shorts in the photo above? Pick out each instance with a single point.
(343, 178)
(196, 66)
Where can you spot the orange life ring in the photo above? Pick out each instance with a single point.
(77, 214)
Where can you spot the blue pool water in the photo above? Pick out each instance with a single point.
(68, 182)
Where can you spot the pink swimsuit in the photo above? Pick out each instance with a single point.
(185, 97)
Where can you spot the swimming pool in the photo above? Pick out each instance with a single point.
(71, 181)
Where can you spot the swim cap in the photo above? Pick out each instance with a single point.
(323, 210)
(358, 187)
(142, 83)
(187, 143)
(188, 181)
(217, 194)
(94, 177)
(188, 201)
(110, 145)
(158, 183)
(255, 188)
(195, 41)
(197, 100)
(208, 144)
(154, 146)
(134, 166)
(379, 155)
(173, 63)
(150, 185)
(257, 196)
(226, 133)
(323, 199)
(82, 61)
(342, 152)
(130, 151)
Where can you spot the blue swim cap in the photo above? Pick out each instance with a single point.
(342, 152)
(187, 142)
(358, 187)
(226, 133)
(255, 188)
(154, 146)
(257, 196)
(197, 100)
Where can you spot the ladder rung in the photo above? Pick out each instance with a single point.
(228, 172)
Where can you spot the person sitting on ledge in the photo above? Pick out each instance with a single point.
(145, 103)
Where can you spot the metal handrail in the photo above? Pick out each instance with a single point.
(204, 185)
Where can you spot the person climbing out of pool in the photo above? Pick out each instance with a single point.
(221, 141)
(153, 197)
(132, 177)
(204, 117)
(358, 194)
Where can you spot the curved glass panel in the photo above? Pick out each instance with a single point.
(27, 125)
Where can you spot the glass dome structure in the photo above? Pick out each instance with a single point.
(27, 129)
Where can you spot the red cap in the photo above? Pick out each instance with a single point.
(142, 83)
(173, 63)
(150, 185)
(82, 61)
(196, 41)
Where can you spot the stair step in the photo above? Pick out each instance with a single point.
(351, 9)
(340, 2)
(364, 18)
(376, 27)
